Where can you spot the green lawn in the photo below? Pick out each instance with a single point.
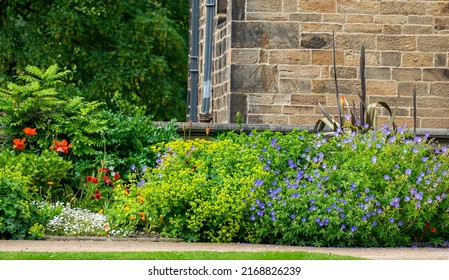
(170, 256)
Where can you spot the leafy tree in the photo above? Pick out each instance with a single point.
(130, 54)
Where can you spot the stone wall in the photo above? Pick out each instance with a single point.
(273, 58)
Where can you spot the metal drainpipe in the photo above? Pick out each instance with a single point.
(208, 45)
(194, 50)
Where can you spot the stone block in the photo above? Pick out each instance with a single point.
(245, 56)
(381, 87)
(269, 35)
(290, 6)
(320, 57)
(334, 18)
(266, 16)
(271, 6)
(344, 72)
(301, 57)
(299, 71)
(417, 29)
(316, 40)
(318, 6)
(434, 113)
(305, 17)
(407, 74)
(238, 103)
(323, 86)
(441, 23)
(390, 19)
(406, 88)
(308, 99)
(394, 29)
(391, 100)
(391, 58)
(417, 59)
(432, 102)
(305, 120)
(434, 43)
(254, 78)
(321, 27)
(439, 89)
(269, 98)
(351, 18)
(423, 20)
(435, 122)
(298, 110)
(355, 41)
(295, 86)
(440, 8)
(436, 74)
(363, 28)
(358, 7)
(238, 9)
(256, 109)
(352, 58)
(403, 8)
(391, 42)
(378, 73)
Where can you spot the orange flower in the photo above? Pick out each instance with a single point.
(342, 100)
(207, 130)
(140, 199)
(61, 146)
(30, 131)
(142, 216)
(19, 144)
(132, 218)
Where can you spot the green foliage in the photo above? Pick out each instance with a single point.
(31, 101)
(128, 140)
(37, 231)
(132, 55)
(15, 212)
(46, 171)
(126, 215)
(37, 102)
(197, 191)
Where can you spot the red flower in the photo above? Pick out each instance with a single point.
(92, 179)
(116, 176)
(19, 144)
(103, 170)
(61, 146)
(427, 224)
(30, 131)
(433, 230)
(96, 195)
(107, 180)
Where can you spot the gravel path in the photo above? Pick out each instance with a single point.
(113, 245)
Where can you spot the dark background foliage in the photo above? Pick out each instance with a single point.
(130, 54)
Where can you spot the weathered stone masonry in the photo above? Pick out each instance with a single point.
(273, 58)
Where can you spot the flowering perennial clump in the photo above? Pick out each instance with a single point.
(374, 189)
(77, 221)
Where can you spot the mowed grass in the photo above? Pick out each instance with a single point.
(185, 255)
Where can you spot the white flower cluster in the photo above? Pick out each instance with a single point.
(78, 222)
